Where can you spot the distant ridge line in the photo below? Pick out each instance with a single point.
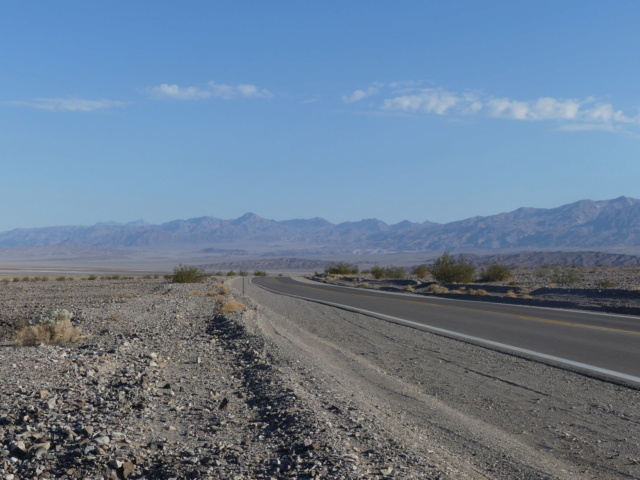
(582, 225)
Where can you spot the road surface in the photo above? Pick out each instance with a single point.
(598, 344)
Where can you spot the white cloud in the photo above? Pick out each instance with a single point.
(69, 104)
(358, 95)
(212, 89)
(428, 100)
(471, 103)
(180, 93)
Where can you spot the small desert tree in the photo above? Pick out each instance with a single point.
(448, 269)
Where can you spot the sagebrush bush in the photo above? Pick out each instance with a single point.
(420, 271)
(186, 274)
(230, 305)
(447, 269)
(435, 288)
(54, 328)
(390, 272)
(478, 291)
(342, 268)
(495, 273)
(260, 273)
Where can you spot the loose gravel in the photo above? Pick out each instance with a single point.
(162, 387)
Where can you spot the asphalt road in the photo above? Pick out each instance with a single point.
(599, 344)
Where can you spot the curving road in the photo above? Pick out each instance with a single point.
(598, 344)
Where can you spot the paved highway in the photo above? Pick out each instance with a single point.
(601, 344)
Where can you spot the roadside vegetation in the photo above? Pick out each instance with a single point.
(342, 268)
(448, 269)
(390, 272)
(420, 271)
(186, 274)
(495, 273)
(53, 328)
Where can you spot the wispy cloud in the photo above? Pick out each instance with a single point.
(210, 90)
(69, 104)
(588, 112)
(358, 95)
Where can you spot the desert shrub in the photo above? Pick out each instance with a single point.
(260, 273)
(605, 284)
(478, 291)
(92, 277)
(195, 292)
(16, 279)
(495, 273)
(25, 279)
(54, 328)
(447, 269)
(394, 272)
(511, 294)
(342, 268)
(186, 274)
(5, 281)
(243, 273)
(229, 305)
(409, 288)
(222, 289)
(566, 275)
(61, 279)
(435, 288)
(420, 271)
(167, 276)
(377, 272)
(231, 273)
(388, 272)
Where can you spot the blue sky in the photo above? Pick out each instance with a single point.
(418, 110)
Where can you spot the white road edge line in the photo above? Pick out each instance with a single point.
(504, 346)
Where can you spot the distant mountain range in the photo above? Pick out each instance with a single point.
(585, 224)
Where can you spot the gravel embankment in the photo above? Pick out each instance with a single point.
(161, 387)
